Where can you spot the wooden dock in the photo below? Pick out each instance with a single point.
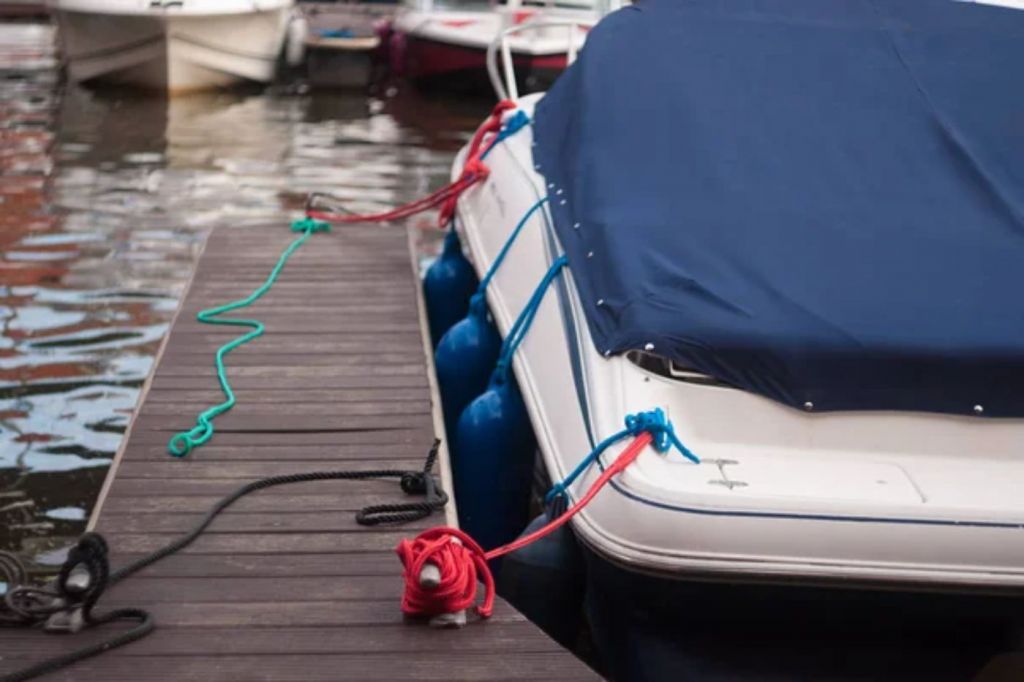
(285, 586)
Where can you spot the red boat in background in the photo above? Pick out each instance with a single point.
(446, 42)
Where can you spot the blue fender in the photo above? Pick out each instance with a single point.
(464, 359)
(493, 472)
(447, 287)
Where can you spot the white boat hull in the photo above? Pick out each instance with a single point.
(165, 50)
(878, 499)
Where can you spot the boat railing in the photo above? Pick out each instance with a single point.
(506, 87)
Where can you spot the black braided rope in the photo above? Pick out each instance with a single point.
(146, 625)
(28, 606)
(34, 606)
(12, 573)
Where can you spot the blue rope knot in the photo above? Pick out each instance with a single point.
(653, 422)
(310, 225)
(660, 427)
(513, 125)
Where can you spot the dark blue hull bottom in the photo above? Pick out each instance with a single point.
(647, 628)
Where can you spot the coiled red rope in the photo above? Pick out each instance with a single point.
(463, 563)
(446, 197)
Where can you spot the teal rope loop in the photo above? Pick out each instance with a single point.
(184, 442)
(522, 324)
(310, 225)
(653, 422)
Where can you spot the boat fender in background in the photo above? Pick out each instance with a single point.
(295, 40)
(464, 360)
(447, 287)
(495, 449)
(546, 581)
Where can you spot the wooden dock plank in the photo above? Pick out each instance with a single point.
(514, 637)
(298, 564)
(285, 667)
(285, 585)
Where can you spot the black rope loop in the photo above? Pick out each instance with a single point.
(86, 571)
(12, 574)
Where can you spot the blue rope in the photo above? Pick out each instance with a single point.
(522, 324)
(478, 299)
(653, 422)
(489, 275)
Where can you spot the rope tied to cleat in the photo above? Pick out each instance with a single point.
(461, 561)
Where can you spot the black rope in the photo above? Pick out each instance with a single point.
(86, 572)
(79, 585)
(12, 573)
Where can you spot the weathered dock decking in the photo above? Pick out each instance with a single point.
(285, 586)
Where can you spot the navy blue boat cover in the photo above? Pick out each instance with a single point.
(821, 201)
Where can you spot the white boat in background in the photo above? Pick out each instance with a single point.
(172, 45)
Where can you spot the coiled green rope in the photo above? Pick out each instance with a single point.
(184, 442)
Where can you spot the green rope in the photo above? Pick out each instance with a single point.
(183, 443)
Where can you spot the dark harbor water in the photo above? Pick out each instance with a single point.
(104, 200)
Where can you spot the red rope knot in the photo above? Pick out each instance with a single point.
(473, 171)
(456, 561)
(501, 107)
(491, 125)
(461, 563)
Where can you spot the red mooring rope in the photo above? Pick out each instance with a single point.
(446, 197)
(463, 563)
